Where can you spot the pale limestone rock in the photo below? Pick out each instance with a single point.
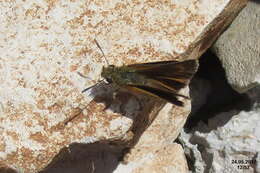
(45, 43)
(237, 140)
(191, 151)
(215, 146)
(154, 151)
(157, 159)
(238, 48)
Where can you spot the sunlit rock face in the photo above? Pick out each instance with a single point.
(45, 44)
(239, 51)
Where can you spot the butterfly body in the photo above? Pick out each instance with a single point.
(122, 76)
(159, 79)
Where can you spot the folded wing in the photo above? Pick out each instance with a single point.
(165, 78)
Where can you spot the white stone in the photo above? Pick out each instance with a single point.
(213, 147)
(238, 48)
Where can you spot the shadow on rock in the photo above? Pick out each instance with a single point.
(104, 156)
(86, 158)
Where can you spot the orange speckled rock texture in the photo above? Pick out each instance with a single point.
(43, 46)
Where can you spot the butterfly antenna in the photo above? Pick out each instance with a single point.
(82, 75)
(101, 51)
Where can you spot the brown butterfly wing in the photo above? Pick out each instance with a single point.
(149, 65)
(172, 75)
(155, 92)
(164, 79)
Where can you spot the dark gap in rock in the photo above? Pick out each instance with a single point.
(207, 157)
(190, 161)
(211, 94)
(188, 154)
(256, 1)
(212, 97)
(254, 165)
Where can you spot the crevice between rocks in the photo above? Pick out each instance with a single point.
(211, 95)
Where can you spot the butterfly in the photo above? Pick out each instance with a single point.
(161, 79)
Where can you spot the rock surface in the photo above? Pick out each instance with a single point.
(44, 44)
(154, 151)
(228, 143)
(239, 51)
(163, 158)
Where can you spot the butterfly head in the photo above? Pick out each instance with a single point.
(108, 73)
